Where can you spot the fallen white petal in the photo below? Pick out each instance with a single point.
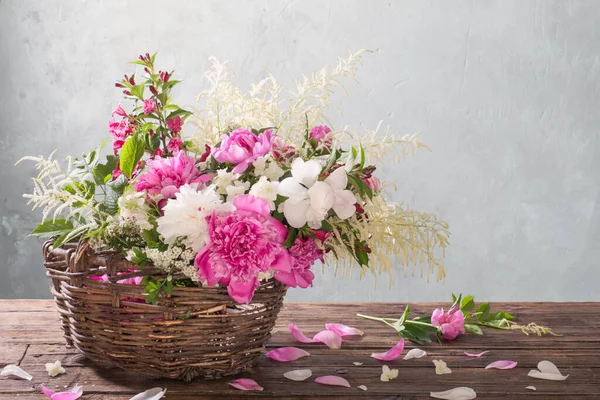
(441, 367)
(477, 355)
(362, 387)
(357, 363)
(12, 369)
(150, 394)
(548, 371)
(530, 387)
(415, 353)
(388, 374)
(459, 393)
(298, 374)
(546, 366)
(54, 368)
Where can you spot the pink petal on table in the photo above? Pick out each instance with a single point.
(284, 354)
(459, 393)
(344, 330)
(476, 354)
(245, 384)
(330, 338)
(72, 394)
(392, 353)
(502, 364)
(46, 391)
(332, 380)
(297, 333)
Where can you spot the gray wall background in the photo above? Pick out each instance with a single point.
(505, 92)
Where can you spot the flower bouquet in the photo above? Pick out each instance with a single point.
(172, 255)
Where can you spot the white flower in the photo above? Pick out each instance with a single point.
(265, 189)
(441, 368)
(310, 200)
(238, 188)
(185, 216)
(55, 368)
(273, 171)
(388, 374)
(260, 164)
(133, 206)
(224, 179)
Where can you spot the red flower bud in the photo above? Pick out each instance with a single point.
(119, 85)
(153, 90)
(164, 76)
(127, 92)
(131, 81)
(204, 156)
(141, 57)
(146, 70)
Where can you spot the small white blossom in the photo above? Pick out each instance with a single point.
(441, 367)
(273, 171)
(260, 165)
(133, 207)
(55, 368)
(238, 188)
(265, 276)
(388, 374)
(174, 259)
(224, 179)
(266, 190)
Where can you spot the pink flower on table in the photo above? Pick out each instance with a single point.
(242, 244)
(304, 252)
(174, 144)
(451, 323)
(320, 134)
(119, 111)
(242, 148)
(167, 175)
(175, 124)
(149, 106)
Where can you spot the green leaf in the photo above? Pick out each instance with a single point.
(52, 228)
(467, 303)
(180, 112)
(483, 311)
(404, 314)
(362, 156)
(473, 329)
(103, 172)
(68, 236)
(362, 257)
(131, 153)
(498, 324)
(138, 62)
(138, 91)
(292, 234)
(417, 333)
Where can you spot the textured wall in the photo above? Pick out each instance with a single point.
(506, 93)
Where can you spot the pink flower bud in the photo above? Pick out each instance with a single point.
(164, 76)
(153, 90)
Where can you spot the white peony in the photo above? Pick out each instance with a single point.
(133, 206)
(185, 216)
(310, 200)
(265, 189)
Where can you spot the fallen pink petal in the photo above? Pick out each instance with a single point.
(502, 364)
(72, 394)
(332, 380)
(476, 354)
(392, 353)
(245, 384)
(330, 338)
(285, 354)
(343, 330)
(298, 334)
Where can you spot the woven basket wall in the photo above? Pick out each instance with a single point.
(194, 332)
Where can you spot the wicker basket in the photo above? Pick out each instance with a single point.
(193, 332)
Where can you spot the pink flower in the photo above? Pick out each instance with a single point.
(373, 183)
(242, 244)
(451, 323)
(149, 106)
(320, 134)
(242, 148)
(119, 111)
(174, 144)
(164, 76)
(167, 175)
(175, 124)
(304, 252)
(281, 151)
(119, 130)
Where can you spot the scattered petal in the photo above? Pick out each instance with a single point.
(476, 354)
(502, 364)
(547, 370)
(357, 363)
(330, 338)
(150, 394)
(388, 374)
(72, 394)
(297, 333)
(344, 330)
(441, 367)
(362, 387)
(415, 353)
(285, 354)
(531, 387)
(392, 353)
(245, 384)
(55, 368)
(459, 393)
(332, 380)
(298, 374)
(12, 369)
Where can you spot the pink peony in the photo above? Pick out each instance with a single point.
(149, 106)
(166, 175)
(174, 144)
(242, 244)
(175, 124)
(451, 323)
(320, 134)
(242, 148)
(119, 130)
(303, 254)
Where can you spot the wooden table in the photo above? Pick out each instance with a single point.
(30, 337)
